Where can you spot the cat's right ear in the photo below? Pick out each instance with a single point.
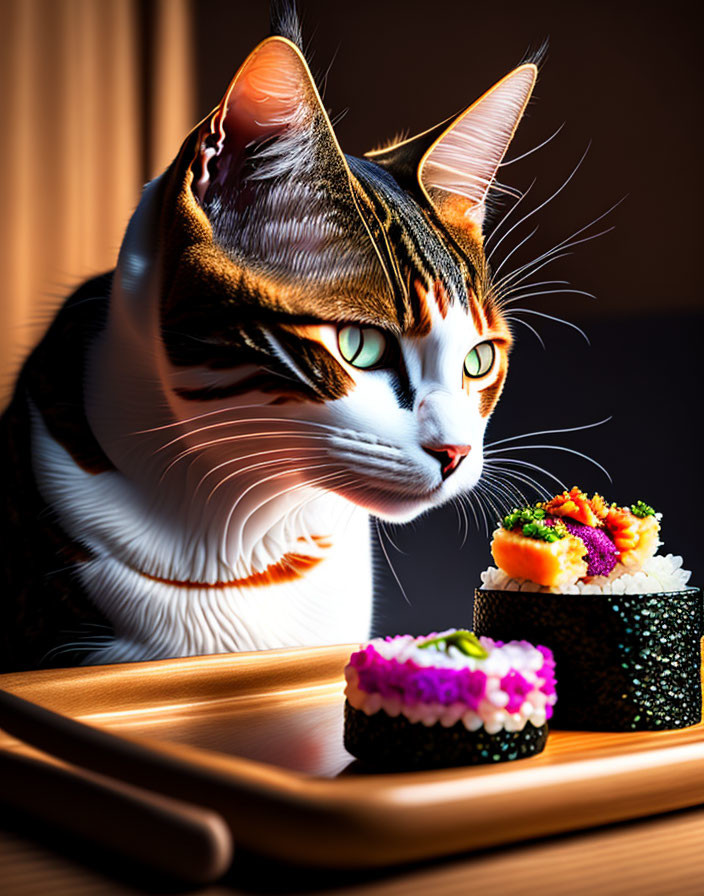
(455, 163)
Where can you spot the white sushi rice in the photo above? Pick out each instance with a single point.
(661, 573)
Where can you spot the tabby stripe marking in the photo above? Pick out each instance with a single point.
(402, 230)
(257, 382)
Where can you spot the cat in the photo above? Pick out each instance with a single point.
(292, 340)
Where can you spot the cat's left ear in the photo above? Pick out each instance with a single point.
(455, 164)
(271, 123)
(271, 178)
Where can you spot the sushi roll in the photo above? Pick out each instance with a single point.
(584, 577)
(447, 699)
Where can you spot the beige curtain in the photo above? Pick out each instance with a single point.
(96, 97)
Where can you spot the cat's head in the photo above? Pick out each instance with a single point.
(352, 295)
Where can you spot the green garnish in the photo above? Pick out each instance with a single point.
(641, 509)
(543, 532)
(525, 515)
(465, 641)
(531, 521)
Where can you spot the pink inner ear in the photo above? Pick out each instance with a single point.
(465, 159)
(266, 94)
(266, 97)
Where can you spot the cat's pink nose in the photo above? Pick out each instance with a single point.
(449, 456)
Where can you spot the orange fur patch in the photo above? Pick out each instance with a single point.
(323, 541)
(455, 213)
(424, 323)
(476, 311)
(291, 566)
(492, 393)
(441, 297)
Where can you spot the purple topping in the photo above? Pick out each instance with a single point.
(547, 671)
(602, 555)
(473, 688)
(517, 689)
(414, 684)
(363, 658)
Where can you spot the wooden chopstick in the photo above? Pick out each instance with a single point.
(108, 754)
(182, 839)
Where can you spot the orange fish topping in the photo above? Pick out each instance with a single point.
(559, 562)
(636, 538)
(577, 506)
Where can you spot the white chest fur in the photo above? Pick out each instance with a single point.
(330, 602)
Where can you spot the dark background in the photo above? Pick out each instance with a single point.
(623, 78)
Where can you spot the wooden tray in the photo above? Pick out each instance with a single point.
(258, 736)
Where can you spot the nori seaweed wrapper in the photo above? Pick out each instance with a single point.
(397, 744)
(623, 662)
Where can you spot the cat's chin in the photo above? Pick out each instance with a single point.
(394, 507)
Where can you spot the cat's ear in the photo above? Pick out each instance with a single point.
(267, 122)
(271, 177)
(455, 164)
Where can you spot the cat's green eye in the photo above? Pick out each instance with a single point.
(362, 347)
(480, 360)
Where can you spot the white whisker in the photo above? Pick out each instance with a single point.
(547, 292)
(516, 248)
(520, 476)
(498, 288)
(523, 477)
(467, 503)
(251, 436)
(461, 518)
(508, 488)
(261, 465)
(548, 432)
(475, 496)
(246, 420)
(525, 323)
(488, 498)
(535, 148)
(503, 221)
(558, 320)
(565, 244)
(524, 463)
(552, 448)
(546, 201)
(487, 511)
(388, 560)
(388, 535)
(185, 420)
(234, 460)
(510, 292)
